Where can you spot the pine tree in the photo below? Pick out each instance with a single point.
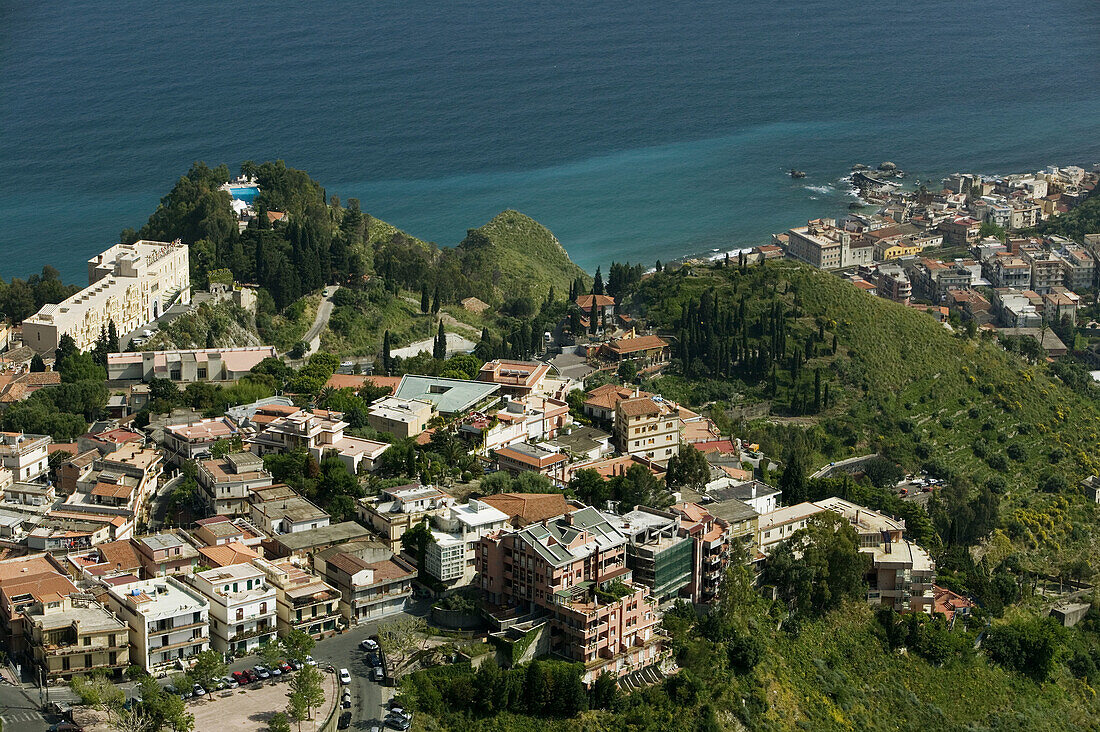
(113, 345)
(551, 296)
(440, 349)
(425, 302)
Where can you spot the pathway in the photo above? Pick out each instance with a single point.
(324, 312)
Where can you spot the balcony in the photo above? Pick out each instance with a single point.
(75, 650)
(180, 644)
(155, 630)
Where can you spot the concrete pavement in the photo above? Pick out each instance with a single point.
(324, 312)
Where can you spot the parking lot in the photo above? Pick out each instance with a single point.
(250, 707)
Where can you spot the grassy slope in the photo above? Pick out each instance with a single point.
(529, 258)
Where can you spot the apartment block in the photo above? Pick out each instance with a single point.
(288, 516)
(165, 554)
(395, 510)
(242, 606)
(647, 427)
(710, 551)
(320, 436)
(187, 366)
(193, 441)
(168, 620)
(402, 418)
(74, 634)
(303, 601)
(370, 590)
(228, 482)
(452, 557)
(658, 552)
(26, 456)
(129, 285)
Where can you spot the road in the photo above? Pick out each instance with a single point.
(324, 312)
(18, 713)
(455, 344)
(841, 465)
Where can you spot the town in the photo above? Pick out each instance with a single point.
(199, 541)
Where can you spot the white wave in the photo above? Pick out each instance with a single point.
(825, 189)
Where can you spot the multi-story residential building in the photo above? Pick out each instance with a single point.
(288, 516)
(129, 285)
(523, 509)
(25, 581)
(451, 397)
(517, 379)
(1008, 271)
(522, 457)
(1024, 215)
(402, 418)
(451, 558)
(647, 427)
(304, 601)
(228, 483)
(961, 231)
(658, 552)
(893, 283)
(710, 551)
(29, 494)
(168, 620)
(759, 496)
(646, 350)
(824, 245)
(1060, 303)
(370, 590)
(242, 606)
(573, 572)
(781, 524)
(395, 510)
(193, 441)
(1078, 267)
(74, 634)
(26, 456)
(165, 554)
(1047, 268)
(319, 436)
(127, 478)
(600, 403)
(187, 366)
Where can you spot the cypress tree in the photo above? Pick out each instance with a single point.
(597, 284)
(387, 361)
(440, 349)
(658, 267)
(435, 301)
(817, 390)
(593, 314)
(425, 302)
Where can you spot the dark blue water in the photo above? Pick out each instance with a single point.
(634, 131)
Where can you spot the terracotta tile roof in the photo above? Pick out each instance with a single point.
(273, 216)
(529, 508)
(112, 490)
(584, 302)
(639, 343)
(638, 407)
(391, 569)
(356, 381)
(225, 555)
(41, 378)
(120, 554)
(348, 562)
(23, 567)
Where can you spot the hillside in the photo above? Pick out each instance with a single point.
(513, 254)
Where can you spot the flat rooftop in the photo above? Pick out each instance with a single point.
(450, 396)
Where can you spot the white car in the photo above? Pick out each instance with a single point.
(369, 645)
(345, 677)
(310, 661)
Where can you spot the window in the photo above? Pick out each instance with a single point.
(87, 640)
(240, 613)
(263, 607)
(202, 373)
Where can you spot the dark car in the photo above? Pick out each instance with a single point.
(345, 721)
(374, 660)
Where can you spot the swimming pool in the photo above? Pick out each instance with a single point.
(244, 193)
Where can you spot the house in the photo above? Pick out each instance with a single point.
(648, 350)
(168, 621)
(605, 306)
(396, 510)
(30, 494)
(710, 554)
(288, 516)
(301, 544)
(523, 457)
(451, 557)
(370, 590)
(450, 396)
(222, 531)
(242, 606)
(75, 634)
(109, 559)
(647, 427)
(227, 483)
(187, 366)
(581, 442)
(224, 555)
(516, 379)
(194, 440)
(25, 581)
(402, 418)
(609, 467)
(165, 554)
(760, 496)
(600, 403)
(321, 436)
(950, 603)
(25, 384)
(524, 509)
(26, 456)
(572, 573)
(304, 601)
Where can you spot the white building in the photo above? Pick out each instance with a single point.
(228, 482)
(319, 436)
(452, 557)
(288, 516)
(26, 456)
(187, 366)
(168, 621)
(130, 285)
(242, 606)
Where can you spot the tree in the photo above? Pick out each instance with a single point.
(299, 350)
(1028, 646)
(439, 350)
(597, 283)
(819, 567)
(883, 473)
(309, 685)
(435, 301)
(279, 722)
(425, 301)
(793, 479)
(593, 317)
(687, 468)
(398, 637)
(415, 542)
(387, 360)
(297, 710)
(37, 364)
(271, 652)
(298, 644)
(113, 344)
(627, 371)
(209, 665)
(163, 709)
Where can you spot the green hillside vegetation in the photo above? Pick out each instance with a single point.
(207, 326)
(1085, 219)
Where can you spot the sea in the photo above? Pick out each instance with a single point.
(635, 131)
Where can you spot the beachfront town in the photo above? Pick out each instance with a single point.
(101, 570)
(979, 270)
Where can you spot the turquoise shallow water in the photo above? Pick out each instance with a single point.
(634, 131)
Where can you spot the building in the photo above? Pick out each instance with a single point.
(303, 601)
(759, 496)
(165, 554)
(516, 379)
(402, 418)
(74, 634)
(25, 581)
(370, 590)
(648, 350)
(320, 436)
(129, 285)
(581, 442)
(961, 231)
(193, 441)
(227, 483)
(659, 554)
(572, 572)
(26, 456)
(710, 554)
(396, 510)
(894, 283)
(187, 366)
(222, 531)
(30, 494)
(168, 621)
(522, 457)
(524, 509)
(450, 396)
(242, 606)
(605, 306)
(600, 403)
(647, 427)
(1079, 268)
(825, 246)
(288, 516)
(451, 557)
(303, 544)
(1047, 268)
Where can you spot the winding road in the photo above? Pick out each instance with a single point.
(324, 312)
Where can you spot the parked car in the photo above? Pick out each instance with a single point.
(345, 721)
(66, 727)
(197, 690)
(296, 664)
(275, 670)
(285, 667)
(261, 672)
(376, 673)
(369, 645)
(310, 661)
(345, 677)
(397, 722)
